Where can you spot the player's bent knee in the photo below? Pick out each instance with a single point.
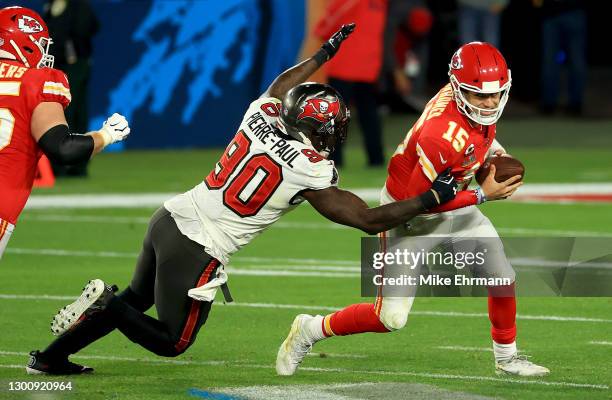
(394, 312)
(394, 320)
(168, 350)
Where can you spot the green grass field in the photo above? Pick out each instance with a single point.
(442, 353)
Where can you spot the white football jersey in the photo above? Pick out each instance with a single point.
(258, 179)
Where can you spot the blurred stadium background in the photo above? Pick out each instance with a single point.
(183, 72)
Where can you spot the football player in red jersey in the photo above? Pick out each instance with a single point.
(33, 97)
(457, 131)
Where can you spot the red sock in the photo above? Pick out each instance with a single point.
(502, 314)
(356, 318)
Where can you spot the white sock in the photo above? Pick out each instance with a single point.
(314, 328)
(504, 352)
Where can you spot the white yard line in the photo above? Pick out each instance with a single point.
(112, 254)
(335, 308)
(602, 343)
(336, 355)
(339, 370)
(279, 273)
(552, 232)
(312, 261)
(84, 218)
(464, 348)
(292, 225)
(70, 253)
(462, 377)
(140, 200)
(237, 267)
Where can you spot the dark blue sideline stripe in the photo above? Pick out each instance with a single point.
(203, 394)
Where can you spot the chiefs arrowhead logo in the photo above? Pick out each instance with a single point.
(321, 110)
(29, 25)
(456, 60)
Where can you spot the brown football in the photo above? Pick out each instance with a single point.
(505, 168)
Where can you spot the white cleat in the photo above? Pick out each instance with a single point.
(294, 348)
(520, 366)
(96, 295)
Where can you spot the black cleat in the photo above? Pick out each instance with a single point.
(40, 365)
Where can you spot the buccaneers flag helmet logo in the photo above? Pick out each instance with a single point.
(321, 110)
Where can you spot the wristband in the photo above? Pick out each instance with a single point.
(480, 196)
(321, 56)
(429, 200)
(106, 137)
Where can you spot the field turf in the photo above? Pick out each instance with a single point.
(306, 264)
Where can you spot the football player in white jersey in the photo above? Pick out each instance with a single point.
(277, 159)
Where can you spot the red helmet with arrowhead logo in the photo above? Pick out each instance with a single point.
(479, 67)
(24, 37)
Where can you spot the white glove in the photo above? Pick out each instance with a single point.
(115, 129)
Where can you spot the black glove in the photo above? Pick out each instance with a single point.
(330, 48)
(443, 189)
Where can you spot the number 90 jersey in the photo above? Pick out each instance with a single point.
(257, 180)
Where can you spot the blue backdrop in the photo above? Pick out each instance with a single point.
(184, 71)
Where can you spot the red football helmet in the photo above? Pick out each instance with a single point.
(24, 37)
(479, 67)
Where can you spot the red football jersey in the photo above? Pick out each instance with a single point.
(21, 90)
(441, 138)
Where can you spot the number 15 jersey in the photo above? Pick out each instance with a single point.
(258, 179)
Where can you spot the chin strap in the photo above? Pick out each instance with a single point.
(304, 138)
(294, 133)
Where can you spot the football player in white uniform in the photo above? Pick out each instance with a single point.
(277, 159)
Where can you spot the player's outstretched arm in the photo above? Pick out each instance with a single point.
(300, 72)
(345, 208)
(50, 129)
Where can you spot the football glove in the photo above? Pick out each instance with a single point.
(330, 48)
(115, 129)
(443, 189)
(445, 186)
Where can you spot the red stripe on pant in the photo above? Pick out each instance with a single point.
(379, 298)
(194, 312)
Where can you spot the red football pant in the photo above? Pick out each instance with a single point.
(502, 313)
(356, 318)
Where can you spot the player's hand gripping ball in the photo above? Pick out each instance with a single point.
(505, 168)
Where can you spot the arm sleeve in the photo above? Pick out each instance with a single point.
(432, 152)
(464, 198)
(65, 148)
